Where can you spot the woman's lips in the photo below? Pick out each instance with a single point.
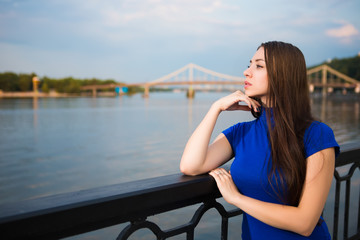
(247, 84)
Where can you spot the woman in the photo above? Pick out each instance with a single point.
(284, 159)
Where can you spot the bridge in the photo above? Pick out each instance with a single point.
(191, 75)
(329, 79)
(195, 77)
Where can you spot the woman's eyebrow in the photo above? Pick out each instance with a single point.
(256, 60)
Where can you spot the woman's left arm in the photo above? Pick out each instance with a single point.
(301, 219)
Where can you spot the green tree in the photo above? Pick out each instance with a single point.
(25, 82)
(9, 82)
(348, 66)
(45, 87)
(72, 85)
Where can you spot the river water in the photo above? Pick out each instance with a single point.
(50, 146)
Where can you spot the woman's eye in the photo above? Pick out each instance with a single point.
(259, 66)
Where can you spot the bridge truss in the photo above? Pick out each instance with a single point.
(194, 77)
(329, 79)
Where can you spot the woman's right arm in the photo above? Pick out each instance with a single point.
(198, 156)
(196, 159)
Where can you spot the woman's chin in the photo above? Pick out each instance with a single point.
(249, 93)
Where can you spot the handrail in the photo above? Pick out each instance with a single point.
(69, 214)
(73, 213)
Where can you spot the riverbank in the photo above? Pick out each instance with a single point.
(51, 94)
(31, 94)
(54, 94)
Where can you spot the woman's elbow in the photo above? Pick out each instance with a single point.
(306, 229)
(188, 170)
(306, 233)
(183, 169)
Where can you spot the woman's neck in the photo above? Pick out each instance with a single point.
(264, 101)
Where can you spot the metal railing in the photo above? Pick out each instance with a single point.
(69, 214)
(350, 157)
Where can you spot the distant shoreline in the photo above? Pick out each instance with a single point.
(31, 94)
(54, 94)
(51, 94)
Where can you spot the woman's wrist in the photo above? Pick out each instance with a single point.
(236, 199)
(216, 107)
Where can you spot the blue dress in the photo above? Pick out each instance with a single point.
(250, 146)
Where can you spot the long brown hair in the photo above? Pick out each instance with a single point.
(287, 119)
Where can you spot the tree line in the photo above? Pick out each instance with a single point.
(348, 66)
(13, 82)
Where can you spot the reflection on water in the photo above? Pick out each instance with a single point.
(342, 115)
(35, 107)
(190, 113)
(49, 146)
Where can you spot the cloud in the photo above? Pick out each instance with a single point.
(184, 21)
(126, 34)
(174, 12)
(346, 33)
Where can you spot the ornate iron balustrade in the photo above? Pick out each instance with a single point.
(350, 156)
(74, 213)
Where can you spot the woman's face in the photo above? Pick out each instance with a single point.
(256, 83)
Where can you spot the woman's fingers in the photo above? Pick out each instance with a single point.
(219, 173)
(232, 102)
(243, 107)
(225, 184)
(251, 103)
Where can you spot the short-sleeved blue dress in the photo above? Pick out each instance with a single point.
(249, 170)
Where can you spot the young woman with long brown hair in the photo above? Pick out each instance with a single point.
(283, 160)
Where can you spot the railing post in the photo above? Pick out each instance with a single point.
(190, 234)
(224, 228)
(336, 207)
(358, 223)
(347, 209)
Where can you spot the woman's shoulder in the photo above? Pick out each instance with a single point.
(317, 127)
(237, 130)
(241, 125)
(319, 136)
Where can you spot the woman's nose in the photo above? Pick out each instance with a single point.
(247, 72)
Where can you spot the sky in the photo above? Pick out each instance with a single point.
(142, 40)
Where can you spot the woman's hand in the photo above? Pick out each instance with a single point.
(225, 184)
(231, 102)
